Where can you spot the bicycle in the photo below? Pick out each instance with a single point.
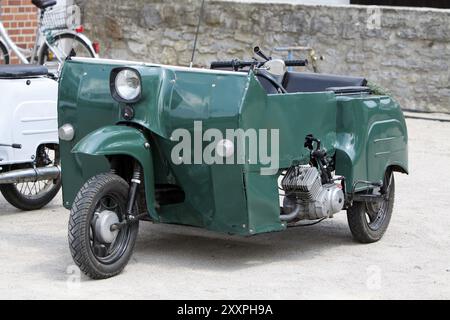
(55, 39)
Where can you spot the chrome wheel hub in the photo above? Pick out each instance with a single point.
(103, 223)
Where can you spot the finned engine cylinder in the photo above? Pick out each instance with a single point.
(306, 194)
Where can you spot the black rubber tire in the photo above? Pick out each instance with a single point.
(4, 52)
(21, 202)
(44, 50)
(356, 216)
(79, 226)
(16, 199)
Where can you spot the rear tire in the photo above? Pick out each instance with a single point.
(95, 257)
(18, 200)
(369, 222)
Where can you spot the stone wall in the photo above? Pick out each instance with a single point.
(404, 50)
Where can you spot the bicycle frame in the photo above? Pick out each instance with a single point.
(10, 45)
(23, 54)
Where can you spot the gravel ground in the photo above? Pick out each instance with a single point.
(320, 262)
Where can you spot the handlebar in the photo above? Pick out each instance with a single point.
(296, 63)
(237, 64)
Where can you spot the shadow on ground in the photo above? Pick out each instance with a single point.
(196, 248)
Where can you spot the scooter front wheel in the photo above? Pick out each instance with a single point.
(100, 250)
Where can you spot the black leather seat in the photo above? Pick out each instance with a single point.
(17, 71)
(314, 82)
(43, 4)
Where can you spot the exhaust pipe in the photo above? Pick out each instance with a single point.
(30, 175)
(291, 216)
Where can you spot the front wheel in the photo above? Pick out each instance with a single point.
(100, 251)
(369, 221)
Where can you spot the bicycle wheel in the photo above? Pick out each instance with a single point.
(67, 45)
(4, 54)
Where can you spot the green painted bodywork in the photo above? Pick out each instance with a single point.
(371, 137)
(367, 134)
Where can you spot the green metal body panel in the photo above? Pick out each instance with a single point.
(371, 136)
(291, 114)
(366, 133)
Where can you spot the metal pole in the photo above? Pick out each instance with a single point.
(196, 34)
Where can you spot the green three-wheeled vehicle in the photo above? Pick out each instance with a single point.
(243, 148)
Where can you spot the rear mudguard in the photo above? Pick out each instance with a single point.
(372, 138)
(123, 140)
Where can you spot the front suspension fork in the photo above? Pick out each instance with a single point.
(134, 188)
(132, 195)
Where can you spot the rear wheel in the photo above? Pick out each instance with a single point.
(66, 45)
(29, 196)
(4, 54)
(99, 251)
(369, 221)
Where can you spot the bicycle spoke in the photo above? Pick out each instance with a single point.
(29, 190)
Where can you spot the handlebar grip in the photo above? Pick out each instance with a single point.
(235, 64)
(296, 63)
(222, 64)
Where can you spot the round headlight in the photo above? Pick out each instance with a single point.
(128, 84)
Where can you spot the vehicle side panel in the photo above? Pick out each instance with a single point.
(214, 194)
(294, 116)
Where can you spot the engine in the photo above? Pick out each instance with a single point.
(307, 198)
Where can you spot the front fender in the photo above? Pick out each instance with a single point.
(123, 140)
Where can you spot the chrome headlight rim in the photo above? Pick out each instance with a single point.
(112, 83)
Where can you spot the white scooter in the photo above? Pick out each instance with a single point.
(29, 152)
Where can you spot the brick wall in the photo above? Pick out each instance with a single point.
(20, 20)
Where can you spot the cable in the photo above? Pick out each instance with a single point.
(306, 225)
